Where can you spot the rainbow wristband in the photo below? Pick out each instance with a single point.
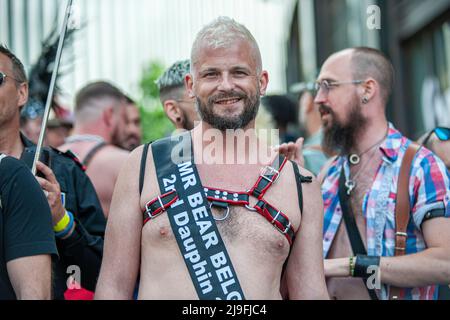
(68, 227)
(63, 223)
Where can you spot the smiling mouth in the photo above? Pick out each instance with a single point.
(228, 101)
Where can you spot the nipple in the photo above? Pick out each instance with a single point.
(163, 231)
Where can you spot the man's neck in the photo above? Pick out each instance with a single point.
(93, 131)
(240, 146)
(10, 142)
(373, 134)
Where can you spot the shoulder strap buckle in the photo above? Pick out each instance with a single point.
(149, 211)
(401, 234)
(287, 228)
(269, 173)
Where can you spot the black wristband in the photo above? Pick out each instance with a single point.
(363, 263)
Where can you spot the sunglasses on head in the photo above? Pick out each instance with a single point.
(3, 77)
(442, 133)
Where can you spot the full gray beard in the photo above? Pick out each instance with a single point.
(251, 107)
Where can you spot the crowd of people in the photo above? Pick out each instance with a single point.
(351, 210)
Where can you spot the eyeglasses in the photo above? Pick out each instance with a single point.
(3, 77)
(326, 85)
(442, 133)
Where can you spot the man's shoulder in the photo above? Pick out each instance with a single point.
(67, 158)
(9, 163)
(116, 150)
(9, 166)
(430, 164)
(111, 153)
(302, 176)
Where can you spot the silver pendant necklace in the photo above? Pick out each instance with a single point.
(355, 159)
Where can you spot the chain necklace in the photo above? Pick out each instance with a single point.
(355, 159)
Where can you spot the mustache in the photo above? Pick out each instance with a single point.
(226, 95)
(325, 108)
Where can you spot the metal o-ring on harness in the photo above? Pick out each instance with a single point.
(222, 207)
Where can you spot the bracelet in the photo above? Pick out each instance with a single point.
(362, 265)
(352, 266)
(63, 223)
(68, 228)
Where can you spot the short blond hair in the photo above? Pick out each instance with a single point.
(221, 33)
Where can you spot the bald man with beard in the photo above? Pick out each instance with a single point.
(367, 253)
(215, 243)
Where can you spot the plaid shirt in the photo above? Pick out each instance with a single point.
(429, 188)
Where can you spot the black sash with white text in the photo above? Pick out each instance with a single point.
(192, 222)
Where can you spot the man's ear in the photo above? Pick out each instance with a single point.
(370, 89)
(189, 84)
(263, 82)
(173, 111)
(23, 94)
(108, 115)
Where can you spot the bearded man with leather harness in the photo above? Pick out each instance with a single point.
(202, 229)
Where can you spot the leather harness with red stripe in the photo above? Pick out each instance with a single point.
(224, 198)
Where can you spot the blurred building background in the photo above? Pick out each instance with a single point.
(414, 34)
(119, 38)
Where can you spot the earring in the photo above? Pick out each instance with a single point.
(365, 100)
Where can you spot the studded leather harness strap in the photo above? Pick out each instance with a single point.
(222, 199)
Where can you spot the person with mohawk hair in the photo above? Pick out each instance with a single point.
(178, 106)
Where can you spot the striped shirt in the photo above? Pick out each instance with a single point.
(429, 189)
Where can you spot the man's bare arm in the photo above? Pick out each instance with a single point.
(121, 255)
(431, 266)
(304, 274)
(31, 277)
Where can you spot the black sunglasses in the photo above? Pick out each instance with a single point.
(442, 133)
(3, 77)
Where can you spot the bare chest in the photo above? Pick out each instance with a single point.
(364, 177)
(242, 229)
